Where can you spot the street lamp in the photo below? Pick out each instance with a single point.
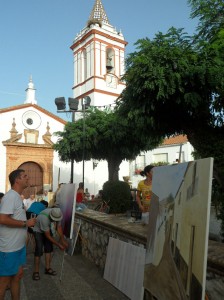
(73, 108)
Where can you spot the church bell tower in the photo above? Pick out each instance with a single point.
(98, 52)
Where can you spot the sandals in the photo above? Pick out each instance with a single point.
(36, 276)
(50, 272)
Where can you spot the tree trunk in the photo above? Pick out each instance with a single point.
(113, 169)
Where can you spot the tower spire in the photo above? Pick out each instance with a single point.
(98, 14)
(30, 92)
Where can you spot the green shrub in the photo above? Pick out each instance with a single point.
(118, 196)
(160, 163)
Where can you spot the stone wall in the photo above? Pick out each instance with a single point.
(214, 226)
(97, 228)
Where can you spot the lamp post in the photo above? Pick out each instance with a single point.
(73, 108)
(84, 144)
(72, 160)
(85, 104)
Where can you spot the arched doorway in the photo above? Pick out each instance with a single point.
(35, 173)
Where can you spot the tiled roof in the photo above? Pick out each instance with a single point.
(178, 139)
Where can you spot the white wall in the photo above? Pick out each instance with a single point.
(171, 151)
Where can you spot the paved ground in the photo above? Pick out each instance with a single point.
(215, 286)
(80, 280)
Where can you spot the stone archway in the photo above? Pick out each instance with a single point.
(35, 173)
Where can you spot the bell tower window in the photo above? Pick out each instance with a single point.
(110, 60)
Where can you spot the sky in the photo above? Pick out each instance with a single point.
(36, 35)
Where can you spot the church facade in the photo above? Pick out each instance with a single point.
(26, 142)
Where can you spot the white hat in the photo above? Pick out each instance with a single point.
(56, 214)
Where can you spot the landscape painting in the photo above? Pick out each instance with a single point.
(177, 242)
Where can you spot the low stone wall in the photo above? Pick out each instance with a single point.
(97, 228)
(214, 226)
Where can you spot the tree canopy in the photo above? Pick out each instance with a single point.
(102, 135)
(175, 83)
(211, 17)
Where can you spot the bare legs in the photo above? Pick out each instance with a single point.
(48, 257)
(14, 282)
(36, 263)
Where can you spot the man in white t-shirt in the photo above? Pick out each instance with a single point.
(13, 233)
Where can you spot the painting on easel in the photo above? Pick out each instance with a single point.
(177, 242)
(66, 200)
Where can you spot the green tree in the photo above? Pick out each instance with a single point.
(176, 83)
(106, 136)
(211, 17)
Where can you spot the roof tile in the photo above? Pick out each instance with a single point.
(177, 139)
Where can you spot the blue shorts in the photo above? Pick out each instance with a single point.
(10, 262)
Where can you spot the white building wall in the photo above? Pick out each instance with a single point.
(172, 152)
(96, 177)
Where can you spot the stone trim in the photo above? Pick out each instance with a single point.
(19, 153)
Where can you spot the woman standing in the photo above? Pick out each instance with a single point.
(80, 196)
(144, 190)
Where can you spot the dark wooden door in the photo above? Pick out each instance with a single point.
(35, 173)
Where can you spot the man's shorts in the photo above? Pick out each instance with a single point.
(42, 243)
(10, 262)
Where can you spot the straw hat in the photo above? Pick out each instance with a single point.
(56, 214)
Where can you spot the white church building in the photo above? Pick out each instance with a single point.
(26, 136)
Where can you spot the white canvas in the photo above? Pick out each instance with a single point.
(125, 268)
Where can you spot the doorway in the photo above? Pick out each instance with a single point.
(35, 174)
